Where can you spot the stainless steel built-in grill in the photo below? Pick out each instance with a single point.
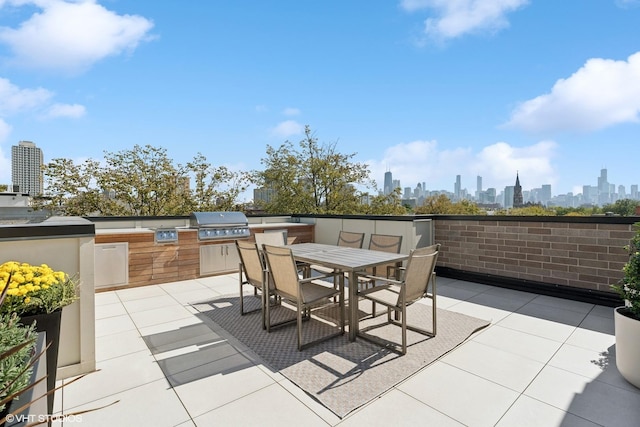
(220, 225)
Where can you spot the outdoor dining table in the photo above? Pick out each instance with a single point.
(350, 261)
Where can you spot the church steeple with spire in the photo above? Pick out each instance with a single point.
(517, 193)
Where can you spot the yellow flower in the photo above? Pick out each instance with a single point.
(35, 288)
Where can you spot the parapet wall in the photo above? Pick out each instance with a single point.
(576, 252)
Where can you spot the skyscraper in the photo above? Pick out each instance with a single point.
(457, 187)
(388, 183)
(26, 168)
(604, 189)
(545, 194)
(508, 196)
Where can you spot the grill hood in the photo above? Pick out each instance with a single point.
(217, 219)
(220, 225)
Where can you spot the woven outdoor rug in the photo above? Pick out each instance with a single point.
(339, 374)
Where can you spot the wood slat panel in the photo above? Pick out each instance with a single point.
(151, 263)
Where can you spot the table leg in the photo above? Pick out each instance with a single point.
(353, 305)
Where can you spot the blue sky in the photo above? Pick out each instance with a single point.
(428, 89)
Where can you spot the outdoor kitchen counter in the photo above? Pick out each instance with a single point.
(136, 259)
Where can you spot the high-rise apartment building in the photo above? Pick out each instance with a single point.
(508, 196)
(545, 194)
(26, 168)
(395, 184)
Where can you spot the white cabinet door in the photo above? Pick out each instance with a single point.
(111, 264)
(218, 258)
(232, 258)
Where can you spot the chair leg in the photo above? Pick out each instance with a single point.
(266, 302)
(433, 305)
(241, 302)
(404, 328)
(299, 326)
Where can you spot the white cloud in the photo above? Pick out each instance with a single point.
(71, 36)
(5, 160)
(424, 161)
(498, 164)
(287, 128)
(14, 100)
(5, 130)
(291, 112)
(602, 93)
(455, 18)
(627, 4)
(66, 110)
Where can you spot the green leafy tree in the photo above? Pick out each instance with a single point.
(216, 188)
(622, 207)
(71, 188)
(578, 211)
(533, 210)
(142, 181)
(312, 178)
(390, 204)
(441, 204)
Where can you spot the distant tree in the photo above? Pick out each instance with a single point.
(142, 181)
(216, 188)
(533, 210)
(4, 187)
(578, 211)
(622, 207)
(71, 188)
(313, 178)
(441, 204)
(390, 204)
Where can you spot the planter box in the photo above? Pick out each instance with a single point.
(627, 346)
(38, 409)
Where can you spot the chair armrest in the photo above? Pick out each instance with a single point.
(324, 276)
(382, 279)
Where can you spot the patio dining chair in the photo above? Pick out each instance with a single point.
(251, 272)
(397, 295)
(304, 294)
(383, 243)
(274, 238)
(277, 238)
(347, 239)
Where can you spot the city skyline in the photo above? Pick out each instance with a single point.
(603, 192)
(434, 89)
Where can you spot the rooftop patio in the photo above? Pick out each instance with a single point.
(543, 361)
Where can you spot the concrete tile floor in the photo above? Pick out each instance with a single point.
(542, 362)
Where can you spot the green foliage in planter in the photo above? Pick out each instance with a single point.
(629, 286)
(15, 371)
